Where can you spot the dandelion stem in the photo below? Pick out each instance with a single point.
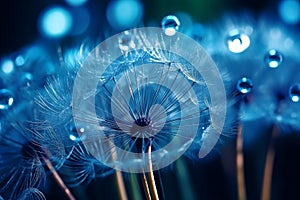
(151, 176)
(146, 186)
(120, 180)
(58, 179)
(121, 185)
(267, 180)
(240, 165)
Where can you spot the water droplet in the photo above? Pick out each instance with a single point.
(170, 25)
(74, 133)
(237, 42)
(245, 85)
(294, 92)
(6, 99)
(273, 58)
(126, 41)
(26, 79)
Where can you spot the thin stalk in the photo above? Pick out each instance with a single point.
(120, 179)
(267, 180)
(240, 165)
(146, 187)
(121, 185)
(59, 179)
(151, 176)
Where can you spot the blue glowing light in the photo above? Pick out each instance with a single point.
(7, 66)
(76, 2)
(237, 42)
(55, 22)
(20, 61)
(289, 11)
(124, 13)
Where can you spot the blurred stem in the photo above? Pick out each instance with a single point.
(151, 175)
(186, 185)
(119, 177)
(267, 180)
(58, 179)
(240, 165)
(136, 190)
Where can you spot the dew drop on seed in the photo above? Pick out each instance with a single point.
(170, 24)
(294, 92)
(6, 99)
(237, 42)
(74, 133)
(273, 58)
(26, 79)
(126, 41)
(245, 85)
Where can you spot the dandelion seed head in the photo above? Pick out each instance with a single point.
(149, 94)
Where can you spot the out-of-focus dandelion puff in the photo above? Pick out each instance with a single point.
(32, 194)
(21, 163)
(152, 92)
(81, 167)
(276, 94)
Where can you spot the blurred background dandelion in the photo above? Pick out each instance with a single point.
(255, 45)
